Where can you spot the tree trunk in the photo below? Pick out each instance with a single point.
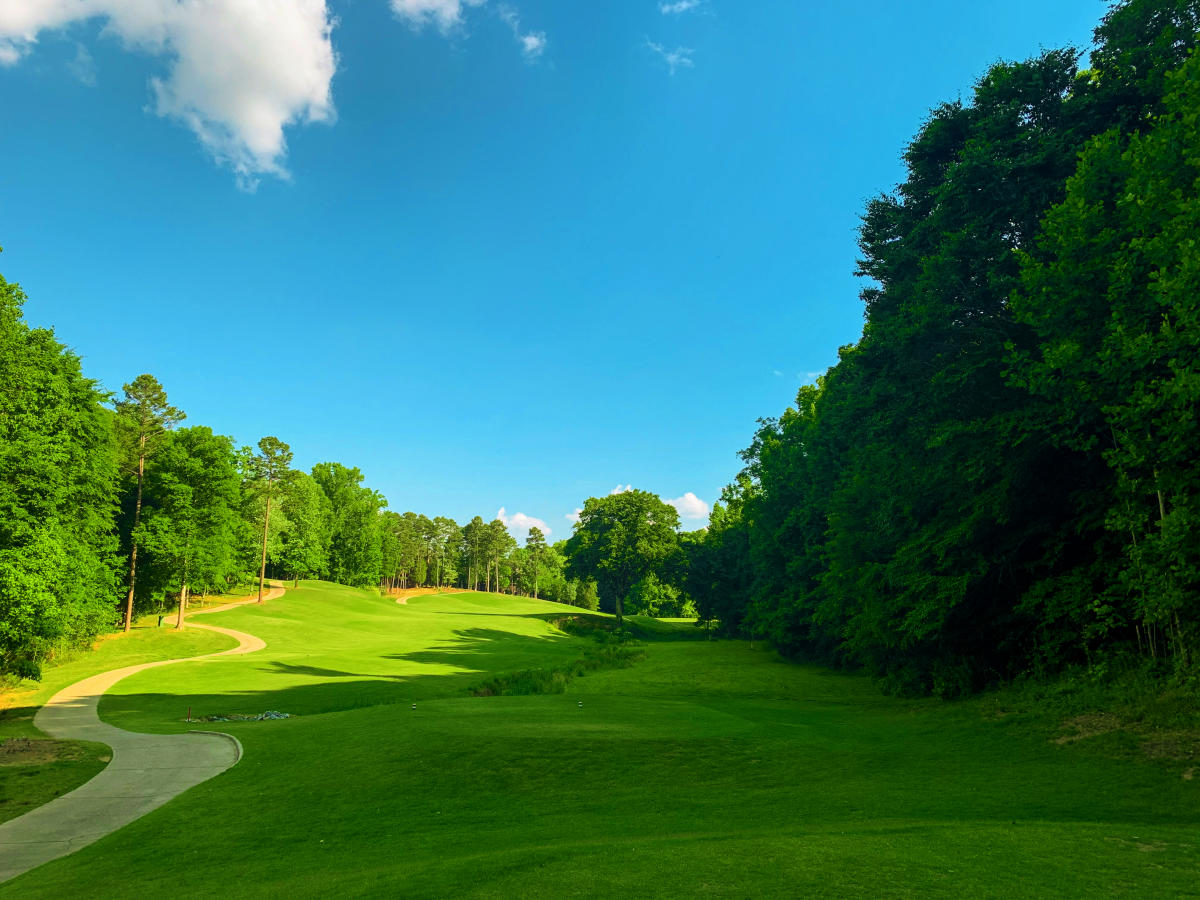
(620, 616)
(183, 591)
(137, 517)
(262, 572)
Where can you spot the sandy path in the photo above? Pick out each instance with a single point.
(146, 770)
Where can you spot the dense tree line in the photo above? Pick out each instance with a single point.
(1000, 476)
(110, 507)
(58, 480)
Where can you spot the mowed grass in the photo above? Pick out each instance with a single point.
(704, 769)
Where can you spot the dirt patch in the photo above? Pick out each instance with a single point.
(30, 752)
(1088, 725)
(402, 595)
(1140, 846)
(1178, 745)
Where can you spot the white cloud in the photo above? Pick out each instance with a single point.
(689, 506)
(533, 43)
(238, 73)
(621, 489)
(679, 6)
(83, 66)
(574, 516)
(445, 14)
(519, 524)
(679, 58)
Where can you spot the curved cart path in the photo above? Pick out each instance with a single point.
(146, 770)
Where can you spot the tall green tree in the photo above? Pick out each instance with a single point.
(473, 541)
(535, 543)
(304, 543)
(193, 521)
(143, 416)
(57, 497)
(442, 537)
(270, 467)
(498, 543)
(619, 540)
(355, 555)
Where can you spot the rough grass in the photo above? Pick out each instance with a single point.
(33, 772)
(555, 681)
(706, 768)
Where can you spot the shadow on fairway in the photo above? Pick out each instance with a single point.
(459, 664)
(490, 650)
(642, 627)
(282, 668)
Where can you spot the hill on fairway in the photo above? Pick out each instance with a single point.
(703, 768)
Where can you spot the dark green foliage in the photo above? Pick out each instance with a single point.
(356, 552)
(985, 485)
(192, 526)
(621, 539)
(303, 549)
(57, 497)
(1113, 294)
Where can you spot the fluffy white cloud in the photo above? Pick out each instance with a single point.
(532, 42)
(621, 489)
(689, 506)
(679, 6)
(519, 524)
(679, 58)
(574, 516)
(237, 73)
(445, 14)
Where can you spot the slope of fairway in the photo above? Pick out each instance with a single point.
(705, 768)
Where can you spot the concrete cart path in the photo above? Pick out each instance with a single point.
(146, 770)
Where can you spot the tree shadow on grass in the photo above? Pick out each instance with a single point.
(472, 655)
(282, 668)
(491, 651)
(643, 627)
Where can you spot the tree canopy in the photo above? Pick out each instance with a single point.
(620, 540)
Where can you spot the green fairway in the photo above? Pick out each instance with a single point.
(703, 769)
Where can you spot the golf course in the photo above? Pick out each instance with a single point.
(666, 766)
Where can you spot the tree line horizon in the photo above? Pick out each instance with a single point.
(998, 479)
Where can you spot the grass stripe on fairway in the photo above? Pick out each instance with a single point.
(705, 768)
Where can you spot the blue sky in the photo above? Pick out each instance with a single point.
(499, 255)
